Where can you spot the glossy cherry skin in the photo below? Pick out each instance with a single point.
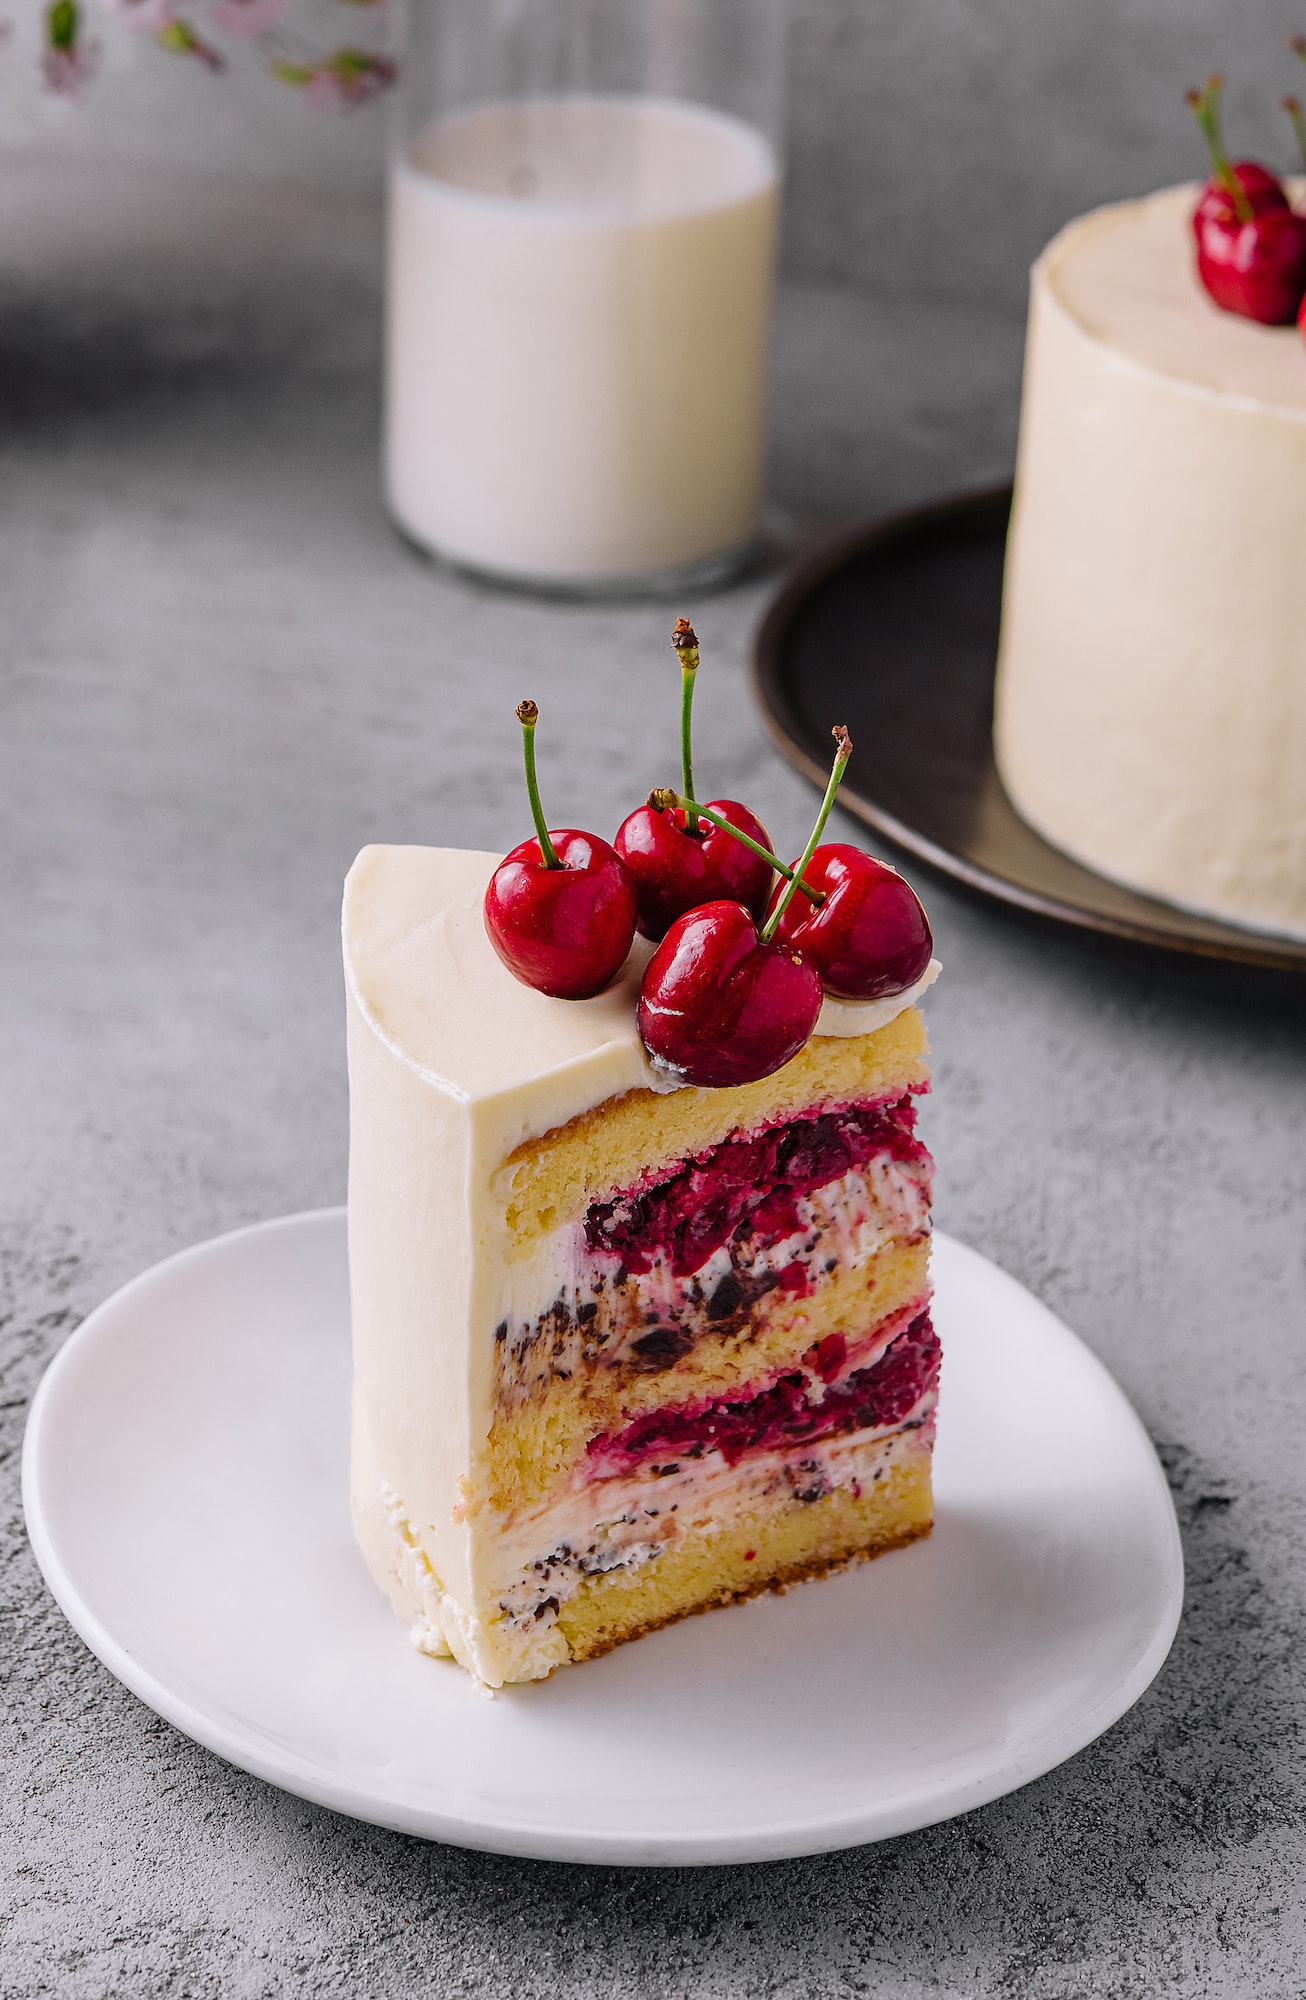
(565, 931)
(1256, 269)
(870, 938)
(719, 1007)
(1264, 191)
(675, 870)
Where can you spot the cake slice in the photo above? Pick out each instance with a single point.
(622, 1350)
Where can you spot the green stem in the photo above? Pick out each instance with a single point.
(842, 753)
(528, 715)
(1205, 107)
(62, 26)
(662, 801)
(686, 645)
(1292, 105)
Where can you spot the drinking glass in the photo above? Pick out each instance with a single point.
(584, 200)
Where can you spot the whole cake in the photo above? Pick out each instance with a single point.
(625, 1347)
(1151, 695)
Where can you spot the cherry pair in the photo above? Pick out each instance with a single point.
(561, 909)
(1251, 246)
(682, 854)
(860, 923)
(724, 1002)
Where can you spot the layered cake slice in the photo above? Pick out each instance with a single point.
(623, 1349)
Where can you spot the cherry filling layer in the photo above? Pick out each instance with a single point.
(755, 1182)
(644, 1276)
(786, 1414)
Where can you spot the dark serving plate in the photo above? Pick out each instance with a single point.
(893, 630)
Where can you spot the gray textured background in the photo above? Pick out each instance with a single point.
(935, 144)
(220, 673)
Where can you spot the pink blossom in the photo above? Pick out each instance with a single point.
(248, 17)
(68, 71)
(345, 79)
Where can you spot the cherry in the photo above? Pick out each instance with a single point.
(1263, 191)
(560, 909)
(675, 870)
(721, 1005)
(868, 937)
(1256, 269)
(1251, 248)
(682, 854)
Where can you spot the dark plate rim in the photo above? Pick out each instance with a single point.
(1165, 933)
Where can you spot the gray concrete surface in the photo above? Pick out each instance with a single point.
(220, 673)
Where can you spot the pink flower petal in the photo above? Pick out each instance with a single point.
(248, 17)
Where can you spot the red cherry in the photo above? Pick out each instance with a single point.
(1256, 269)
(869, 939)
(1301, 318)
(718, 1006)
(1264, 191)
(1251, 248)
(676, 870)
(565, 931)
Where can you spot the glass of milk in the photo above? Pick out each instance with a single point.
(584, 199)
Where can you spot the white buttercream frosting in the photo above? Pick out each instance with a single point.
(1151, 699)
(428, 981)
(1126, 275)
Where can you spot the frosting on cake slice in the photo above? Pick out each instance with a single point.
(621, 1350)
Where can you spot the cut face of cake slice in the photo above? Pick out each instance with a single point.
(622, 1351)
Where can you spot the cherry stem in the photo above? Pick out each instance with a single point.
(1205, 107)
(1292, 105)
(662, 801)
(686, 644)
(528, 715)
(843, 751)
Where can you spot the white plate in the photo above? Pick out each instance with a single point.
(184, 1477)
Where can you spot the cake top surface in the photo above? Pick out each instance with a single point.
(1127, 275)
(427, 981)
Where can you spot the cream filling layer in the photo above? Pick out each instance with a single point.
(543, 1557)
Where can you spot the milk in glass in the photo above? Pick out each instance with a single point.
(579, 306)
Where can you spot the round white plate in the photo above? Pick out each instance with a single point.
(184, 1477)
